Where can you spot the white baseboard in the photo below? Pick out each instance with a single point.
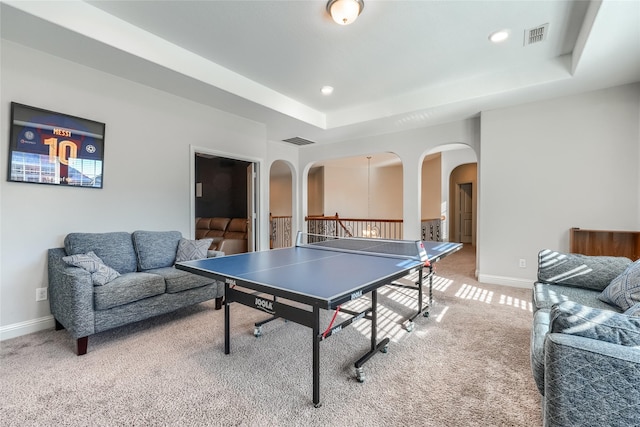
(27, 327)
(505, 281)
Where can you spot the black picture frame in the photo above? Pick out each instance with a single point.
(48, 147)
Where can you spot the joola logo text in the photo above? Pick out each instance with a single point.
(264, 304)
(356, 295)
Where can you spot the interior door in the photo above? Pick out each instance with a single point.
(251, 207)
(465, 204)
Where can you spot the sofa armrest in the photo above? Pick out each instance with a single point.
(590, 382)
(581, 271)
(70, 295)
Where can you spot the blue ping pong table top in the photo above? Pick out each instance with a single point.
(307, 274)
(436, 250)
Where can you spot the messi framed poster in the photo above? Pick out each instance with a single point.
(46, 147)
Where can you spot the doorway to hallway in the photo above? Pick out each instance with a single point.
(464, 214)
(225, 187)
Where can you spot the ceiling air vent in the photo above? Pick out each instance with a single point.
(536, 35)
(298, 141)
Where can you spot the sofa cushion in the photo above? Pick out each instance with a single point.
(127, 288)
(583, 271)
(114, 249)
(180, 280)
(156, 249)
(624, 290)
(237, 229)
(546, 295)
(192, 249)
(100, 273)
(603, 325)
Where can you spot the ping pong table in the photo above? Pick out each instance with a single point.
(321, 273)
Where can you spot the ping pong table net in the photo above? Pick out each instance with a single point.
(406, 249)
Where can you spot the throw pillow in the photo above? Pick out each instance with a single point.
(192, 249)
(572, 318)
(101, 274)
(624, 290)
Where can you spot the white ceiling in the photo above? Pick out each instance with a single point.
(401, 65)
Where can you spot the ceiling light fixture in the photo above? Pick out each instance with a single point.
(499, 36)
(326, 90)
(344, 12)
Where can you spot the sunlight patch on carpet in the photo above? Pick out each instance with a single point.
(441, 314)
(474, 293)
(441, 284)
(404, 296)
(516, 302)
(390, 323)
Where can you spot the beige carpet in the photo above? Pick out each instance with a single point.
(465, 365)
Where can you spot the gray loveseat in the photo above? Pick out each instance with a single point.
(100, 281)
(585, 352)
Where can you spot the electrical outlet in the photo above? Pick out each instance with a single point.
(41, 294)
(523, 263)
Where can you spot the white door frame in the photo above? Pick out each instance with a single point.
(193, 150)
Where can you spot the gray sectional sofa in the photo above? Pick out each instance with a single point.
(585, 339)
(100, 281)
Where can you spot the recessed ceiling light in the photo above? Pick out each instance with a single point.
(326, 90)
(499, 36)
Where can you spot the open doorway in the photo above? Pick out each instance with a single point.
(463, 197)
(225, 205)
(464, 212)
(281, 190)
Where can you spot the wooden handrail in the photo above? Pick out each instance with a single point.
(322, 217)
(335, 217)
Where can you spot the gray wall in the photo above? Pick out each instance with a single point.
(552, 165)
(147, 182)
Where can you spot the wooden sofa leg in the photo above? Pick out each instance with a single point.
(218, 303)
(82, 345)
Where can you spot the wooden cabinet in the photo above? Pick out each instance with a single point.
(605, 242)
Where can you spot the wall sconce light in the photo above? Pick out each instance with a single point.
(344, 12)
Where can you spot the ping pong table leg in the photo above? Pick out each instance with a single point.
(420, 283)
(227, 338)
(316, 357)
(375, 346)
(430, 274)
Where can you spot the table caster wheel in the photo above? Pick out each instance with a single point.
(409, 326)
(257, 331)
(425, 314)
(360, 374)
(384, 349)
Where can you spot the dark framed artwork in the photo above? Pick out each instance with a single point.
(46, 147)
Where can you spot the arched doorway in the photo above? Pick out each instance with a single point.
(280, 205)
